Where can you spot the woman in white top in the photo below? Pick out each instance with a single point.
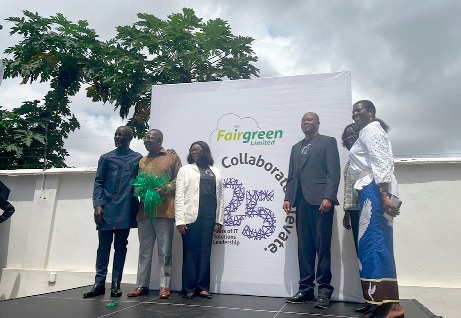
(199, 210)
(372, 168)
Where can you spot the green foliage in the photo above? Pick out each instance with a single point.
(53, 50)
(24, 132)
(180, 49)
(121, 71)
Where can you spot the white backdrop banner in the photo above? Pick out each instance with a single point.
(251, 126)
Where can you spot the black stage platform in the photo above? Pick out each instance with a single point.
(69, 303)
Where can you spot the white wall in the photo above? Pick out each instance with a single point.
(53, 231)
(427, 233)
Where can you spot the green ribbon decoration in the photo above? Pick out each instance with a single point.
(144, 188)
(113, 303)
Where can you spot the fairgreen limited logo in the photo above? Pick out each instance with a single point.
(233, 128)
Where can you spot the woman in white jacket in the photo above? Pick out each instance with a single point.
(199, 210)
(372, 168)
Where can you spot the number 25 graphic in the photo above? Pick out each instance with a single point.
(251, 209)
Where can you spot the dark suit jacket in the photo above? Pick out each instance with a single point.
(320, 172)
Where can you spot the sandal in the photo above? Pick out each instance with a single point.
(205, 294)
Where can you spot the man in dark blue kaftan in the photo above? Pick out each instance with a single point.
(115, 209)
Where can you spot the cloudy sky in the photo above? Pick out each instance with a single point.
(405, 56)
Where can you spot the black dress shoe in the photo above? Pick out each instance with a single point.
(322, 302)
(97, 290)
(115, 290)
(300, 298)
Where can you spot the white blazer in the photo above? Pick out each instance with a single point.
(187, 194)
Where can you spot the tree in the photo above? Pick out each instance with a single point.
(180, 49)
(122, 70)
(57, 51)
(31, 138)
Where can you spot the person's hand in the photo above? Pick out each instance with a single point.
(287, 206)
(325, 206)
(99, 215)
(171, 151)
(347, 220)
(217, 227)
(387, 205)
(181, 228)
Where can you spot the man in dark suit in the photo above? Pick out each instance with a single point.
(313, 179)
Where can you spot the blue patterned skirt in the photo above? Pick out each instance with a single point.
(375, 249)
